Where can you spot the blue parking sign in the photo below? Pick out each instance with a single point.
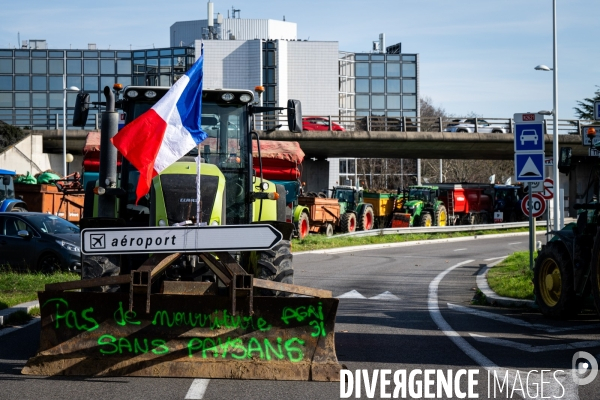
(529, 167)
(529, 137)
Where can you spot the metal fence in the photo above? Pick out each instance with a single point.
(37, 121)
(415, 124)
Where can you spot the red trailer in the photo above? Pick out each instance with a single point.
(467, 203)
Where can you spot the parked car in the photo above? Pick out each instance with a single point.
(468, 126)
(319, 124)
(38, 241)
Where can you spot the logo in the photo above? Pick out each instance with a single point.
(184, 200)
(528, 117)
(584, 368)
(98, 241)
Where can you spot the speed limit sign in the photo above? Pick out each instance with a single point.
(538, 204)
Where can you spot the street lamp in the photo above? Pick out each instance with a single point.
(65, 90)
(555, 155)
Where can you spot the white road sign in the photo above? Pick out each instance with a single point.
(185, 239)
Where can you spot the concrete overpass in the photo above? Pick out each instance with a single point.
(374, 144)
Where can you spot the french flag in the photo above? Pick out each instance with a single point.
(167, 131)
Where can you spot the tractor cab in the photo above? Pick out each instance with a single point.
(8, 201)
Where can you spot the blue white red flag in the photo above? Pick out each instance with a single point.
(166, 132)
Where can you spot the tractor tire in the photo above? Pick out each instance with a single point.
(100, 267)
(426, 219)
(348, 222)
(441, 216)
(18, 209)
(553, 283)
(276, 265)
(303, 226)
(366, 220)
(595, 273)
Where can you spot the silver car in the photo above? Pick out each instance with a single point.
(468, 126)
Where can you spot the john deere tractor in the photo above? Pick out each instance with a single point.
(355, 214)
(567, 269)
(421, 207)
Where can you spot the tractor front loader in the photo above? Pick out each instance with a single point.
(180, 285)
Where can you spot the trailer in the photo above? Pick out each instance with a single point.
(383, 205)
(323, 213)
(467, 203)
(49, 199)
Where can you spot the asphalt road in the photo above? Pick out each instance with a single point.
(401, 308)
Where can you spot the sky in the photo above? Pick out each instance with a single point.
(476, 56)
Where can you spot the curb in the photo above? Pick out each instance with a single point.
(494, 299)
(19, 307)
(349, 249)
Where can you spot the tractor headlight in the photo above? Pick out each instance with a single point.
(161, 222)
(227, 96)
(150, 94)
(245, 97)
(214, 223)
(132, 93)
(68, 245)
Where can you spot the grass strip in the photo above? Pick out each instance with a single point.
(19, 287)
(320, 242)
(512, 277)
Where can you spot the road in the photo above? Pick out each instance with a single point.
(401, 308)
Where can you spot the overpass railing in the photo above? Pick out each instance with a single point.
(413, 124)
(42, 121)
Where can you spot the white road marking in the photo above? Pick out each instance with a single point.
(510, 244)
(197, 389)
(353, 294)
(459, 249)
(494, 258)
(535, 349)
(570, 388)
(518, 322)
(385, 296)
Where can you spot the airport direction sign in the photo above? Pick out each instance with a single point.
(529, 132)
(184, 239)
(529, 167)
(597, 110)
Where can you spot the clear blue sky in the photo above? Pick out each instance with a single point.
(477, 56)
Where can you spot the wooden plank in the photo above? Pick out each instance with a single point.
(193, 288)
(158, 262)
(296, 289)
(217, 267)
(87, 283)
(231, 263)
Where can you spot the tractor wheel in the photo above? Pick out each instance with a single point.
(18, 209)
(328, 230)
(553, 283)
(441, 216)
(303, 226)
(471, 219)
(595, 273)
(276, 265)
(348, 222)
(366, 220)
(426, 219)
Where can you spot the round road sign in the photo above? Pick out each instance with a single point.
(538, 205)
(548, 192)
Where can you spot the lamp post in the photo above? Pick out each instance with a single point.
(555, 155)
(65, 90)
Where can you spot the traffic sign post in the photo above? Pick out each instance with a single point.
(529, 165)
(536, 203)
(185, 239)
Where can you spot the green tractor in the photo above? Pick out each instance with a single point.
(231, 194)
(421, 207)
(355, 214)
(567, 268)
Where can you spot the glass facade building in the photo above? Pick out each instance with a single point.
(31, 80)
(377, 85)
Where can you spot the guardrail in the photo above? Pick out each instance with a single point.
(441, 229)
